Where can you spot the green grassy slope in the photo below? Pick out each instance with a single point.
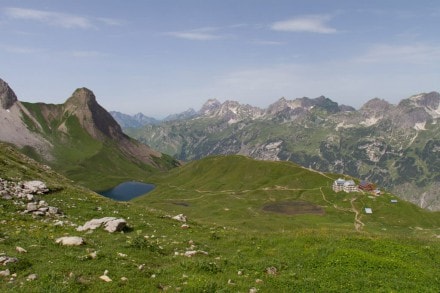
(234, 189)
(96, 164)
(308, 255)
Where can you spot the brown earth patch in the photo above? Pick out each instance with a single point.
(181, 204)
(294, 208)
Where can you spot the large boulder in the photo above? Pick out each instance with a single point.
(35, 187)
(111, 224)
(115, 225)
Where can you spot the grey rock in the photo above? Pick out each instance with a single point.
(30, 207)
(115, 225)
(35, 186)
(111, 224)
(70, 241)
(7, 95)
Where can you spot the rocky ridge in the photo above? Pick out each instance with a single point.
(79, 130)
(392, 145)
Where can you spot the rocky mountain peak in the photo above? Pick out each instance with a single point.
(92, 116)
(7, 95)
(326, 104)
(376, 105)
(81, 97)
(430, 102)
(209, 107)
(278, 106)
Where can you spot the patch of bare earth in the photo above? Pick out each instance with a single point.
(294, 208)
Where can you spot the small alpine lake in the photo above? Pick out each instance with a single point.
(127, 190)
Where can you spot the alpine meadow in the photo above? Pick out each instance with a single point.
(244, 146)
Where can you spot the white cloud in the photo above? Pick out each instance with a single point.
(18, 49)
(413, 53)
(268, 43)
(201, 34)
(58, 19)
(52, 18)
(87, 54)
(194, 36)
(308, 23)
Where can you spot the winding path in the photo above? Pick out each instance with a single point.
(358, 224)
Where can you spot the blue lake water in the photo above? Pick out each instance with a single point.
(127, 190)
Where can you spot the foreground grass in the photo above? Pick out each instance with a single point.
(304, 259)
(245, 248)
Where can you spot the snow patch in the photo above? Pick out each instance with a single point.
(420, 126)
(416, 97)
(343, 125)
(273, 145)
(435, 113)
(370, 121)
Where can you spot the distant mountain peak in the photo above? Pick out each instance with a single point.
(376, 105)
(81, 97)
(7, 95)
(209, 106)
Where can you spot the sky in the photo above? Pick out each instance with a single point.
(161, 57)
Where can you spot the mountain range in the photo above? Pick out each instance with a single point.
(75, 136)
(394, 146)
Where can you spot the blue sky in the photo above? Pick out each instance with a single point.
(163, 57)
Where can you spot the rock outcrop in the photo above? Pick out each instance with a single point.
(26, 195)
(111, 224)
(7, 95)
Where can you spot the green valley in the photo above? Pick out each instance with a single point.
(229, 243)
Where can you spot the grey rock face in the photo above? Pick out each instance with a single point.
(7, 95)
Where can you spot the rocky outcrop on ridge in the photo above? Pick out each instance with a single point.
(7, 95)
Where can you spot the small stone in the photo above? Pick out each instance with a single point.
(105, 278)
(5, 273)
(253, 290)
(191, 253)
(271, 270)
(259, 281)
(20, 249)
(43, 209)
(122, 254)
(93, 254)
(30, 207)
(70, 240)
(180, 218)
(54, 210)
(32, 277)
(58, 223)
(4, 260)
(185, 226)
(124, 279)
